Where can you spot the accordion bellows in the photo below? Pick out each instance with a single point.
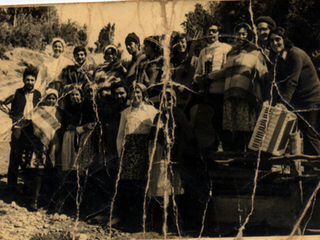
(273, 129)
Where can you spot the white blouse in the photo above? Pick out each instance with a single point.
(135, 121)
(49, 71)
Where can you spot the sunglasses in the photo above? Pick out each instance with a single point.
(213, 30)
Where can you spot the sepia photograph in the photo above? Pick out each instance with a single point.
(160, 120)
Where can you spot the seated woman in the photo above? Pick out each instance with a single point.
(298, 86)
(46, 122)
(111, 70)
(244, 72)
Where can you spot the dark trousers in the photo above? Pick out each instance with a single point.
(21, 143)
(129, 204)
(216, 102)
(311, 137)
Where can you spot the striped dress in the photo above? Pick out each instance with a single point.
(245, 71)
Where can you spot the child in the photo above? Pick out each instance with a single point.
(25, 100)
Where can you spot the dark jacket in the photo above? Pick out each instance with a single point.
(297, 79)
(107, 70)
(132, 68)
(19, 102)
(181, 135)
(149, 73)
(76, 74)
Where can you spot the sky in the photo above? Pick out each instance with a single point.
(143, 18)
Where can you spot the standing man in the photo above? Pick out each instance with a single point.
(133, 47)
(121, 95)
(23, 104)
(213, 58)
(264, 24)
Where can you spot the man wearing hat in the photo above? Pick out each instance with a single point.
(133, 47)
(264, 25)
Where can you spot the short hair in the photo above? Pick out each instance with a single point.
(31, 70)
(79, 49)
(176, 38)
(282, 33)
(117, 85)
(211, 23)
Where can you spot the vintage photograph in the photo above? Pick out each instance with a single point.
(160, 120)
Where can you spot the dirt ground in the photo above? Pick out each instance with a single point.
(16, 221)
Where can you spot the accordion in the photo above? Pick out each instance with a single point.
(272, 131)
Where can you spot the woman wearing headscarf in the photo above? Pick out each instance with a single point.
(244, 72)
(132, 145)
(111, 70)
(134, 128)
(89, 130)
(72, 120)
(167, 150)
(70, 148)
(150, 70)
(298, 86)
(46, 123)
(51, 68)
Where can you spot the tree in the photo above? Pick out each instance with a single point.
(106, 37)
(300, 18)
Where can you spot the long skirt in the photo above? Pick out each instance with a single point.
(163, 177)
(88, 150)
(68, 152)
(135, 162)
(239, 115)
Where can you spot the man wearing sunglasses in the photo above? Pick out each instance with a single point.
(213, 58)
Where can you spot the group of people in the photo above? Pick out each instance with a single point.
(116, 123)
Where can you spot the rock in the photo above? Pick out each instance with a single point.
(13, 204)
(56, 217)
(82, 236)
(39, 227)
(38, 214)
(46, 225)
(18, 224)
(24, 210)
(63, 217)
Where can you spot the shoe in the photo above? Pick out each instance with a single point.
(33, 207)
(11, 190)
